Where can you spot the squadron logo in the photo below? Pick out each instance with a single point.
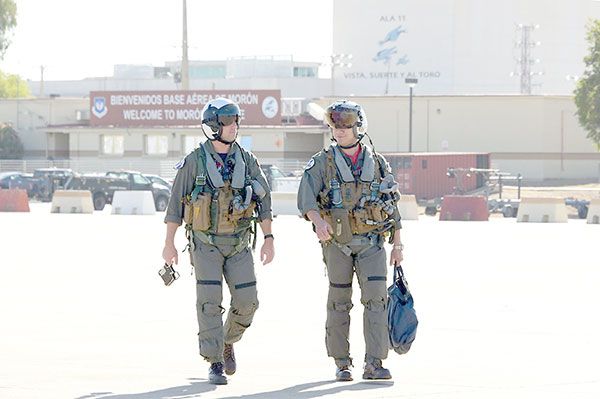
(310, 164)
(99, 109)
(270, 107)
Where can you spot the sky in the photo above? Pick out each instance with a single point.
(75, 39)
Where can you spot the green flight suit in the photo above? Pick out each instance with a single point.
(215, 256)
(363, 254)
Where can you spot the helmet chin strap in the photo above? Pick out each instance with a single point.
(217, 137)
(347, 147)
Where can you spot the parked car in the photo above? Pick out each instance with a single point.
(50, 179)
(159, 180)
(104, 186)
(272, 172)
(59, 175)
(24, 181)
(278, 180)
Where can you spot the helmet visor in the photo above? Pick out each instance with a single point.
(341, 119)
(228, 115)
(226, 120)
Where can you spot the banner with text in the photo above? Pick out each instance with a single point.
(179, 108)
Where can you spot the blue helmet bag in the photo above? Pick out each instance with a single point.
(402, 318)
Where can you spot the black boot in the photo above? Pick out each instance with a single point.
(215, 374)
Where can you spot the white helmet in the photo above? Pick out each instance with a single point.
(217, 113)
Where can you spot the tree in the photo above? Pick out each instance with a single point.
(12, 86)
(587, 93)
(8, 20)
(11, 146)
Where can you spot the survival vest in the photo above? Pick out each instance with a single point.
(356, 206)
(218, 207)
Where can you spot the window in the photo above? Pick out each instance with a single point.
(159, 180)
(117, 175)
(112, 145)
(304, 72)
(157, 145)
(139, 179)
(291, 107)
(190, 143)
(162, 72)
(207, 71)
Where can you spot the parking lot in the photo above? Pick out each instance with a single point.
(506, 309)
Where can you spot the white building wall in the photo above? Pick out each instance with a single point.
(28, 116)
(458, 46)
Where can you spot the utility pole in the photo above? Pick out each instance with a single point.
(185, 76)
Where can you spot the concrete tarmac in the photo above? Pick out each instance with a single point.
(506, 310)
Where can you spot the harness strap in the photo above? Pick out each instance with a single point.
(200, 181)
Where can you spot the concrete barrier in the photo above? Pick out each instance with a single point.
(465, 208)
(284, 203)
(133, 203)
(72, 201)
(407, 206)
(542, 210)
(14, 200)
(593, 216)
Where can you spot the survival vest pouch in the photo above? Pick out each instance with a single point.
(402, 318)
(197, 213)
(219, 210)
(340, 222)
(363, 201)
(229, 218)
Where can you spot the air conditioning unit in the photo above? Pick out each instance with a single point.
(82, 115)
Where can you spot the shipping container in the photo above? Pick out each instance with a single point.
(424, 174)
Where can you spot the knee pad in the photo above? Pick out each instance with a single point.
(245, 309)
(376, 304)
(211, 309)
(341, 306)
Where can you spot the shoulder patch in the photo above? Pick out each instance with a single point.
(180, 164)
(310, 164)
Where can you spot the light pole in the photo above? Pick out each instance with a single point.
(338, 60)
(185, 75)
(411, 82)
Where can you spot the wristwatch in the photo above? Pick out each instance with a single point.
(269, 236)
(399, 246)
